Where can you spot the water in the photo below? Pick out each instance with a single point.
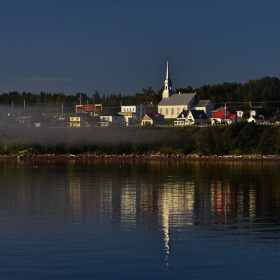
(144, 220)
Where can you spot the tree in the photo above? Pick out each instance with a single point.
(96, 97)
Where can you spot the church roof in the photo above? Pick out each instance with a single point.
(202, 103)
(179, 99)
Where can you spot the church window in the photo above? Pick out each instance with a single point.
(172, 111)
(166, 111)
(178, 111)
(160, 110)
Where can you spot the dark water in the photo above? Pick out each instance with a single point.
(159, 220)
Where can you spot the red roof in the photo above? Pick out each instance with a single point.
(232, 116)
(220, 114)
(153, 116)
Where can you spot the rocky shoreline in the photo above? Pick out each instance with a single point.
(157, 156)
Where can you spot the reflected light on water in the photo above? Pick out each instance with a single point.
(156, 220)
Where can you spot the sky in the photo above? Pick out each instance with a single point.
(121, 46)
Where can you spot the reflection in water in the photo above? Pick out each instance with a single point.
(176, 194)
(180, 201)
(128, 205)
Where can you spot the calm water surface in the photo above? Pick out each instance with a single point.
(144, 220)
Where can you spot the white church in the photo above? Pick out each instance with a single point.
(173, 104)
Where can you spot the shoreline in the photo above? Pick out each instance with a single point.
(150, 157)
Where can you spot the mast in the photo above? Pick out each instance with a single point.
(225, 111)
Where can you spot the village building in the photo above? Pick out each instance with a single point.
(191, 117)
(205, 105)
(133, 111)
(173, 104)
(91, 109)
(152, 119)
(78, 121)
(33, 120)
(115, 120)
(259, 119)
(224, 116)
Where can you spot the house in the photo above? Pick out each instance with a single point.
(255, 110)
(116, 120)
(191, 117)
(152, 119)
(33, 120)
(239, 113)
(230, 110)
(173, 104)
(205, 105)
(78, 121)
(133, 111)
(224, 116)
(91, 109)
(130, 121)
(233, 118)
(259, 119)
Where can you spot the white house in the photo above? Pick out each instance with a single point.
(205, 105)
(191, 117)
(136, 111)
(116, 120)
(224, 116)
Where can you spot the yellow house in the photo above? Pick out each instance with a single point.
(77, 122)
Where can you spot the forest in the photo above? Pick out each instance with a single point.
(263, 92)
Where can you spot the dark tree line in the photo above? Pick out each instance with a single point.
(147, 96)
(264, 92)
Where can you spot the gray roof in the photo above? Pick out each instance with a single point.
(202, 103)
(180, 99)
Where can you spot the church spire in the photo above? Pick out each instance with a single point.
(167, 71)
(167, 84)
